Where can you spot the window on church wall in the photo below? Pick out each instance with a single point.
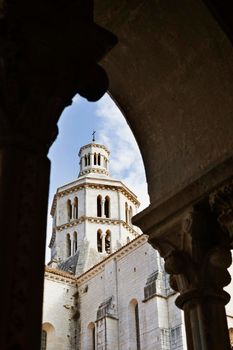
(91, 337)
(88, 159)
(95, 159)
(75, 243)
(85, 160)
(75, 208)
(134, 328)
(43, 340)
(69, 209)
(107, 207)
(175, 335)
(68, 245)
(99, 159)
(99, 206)
(108, 242)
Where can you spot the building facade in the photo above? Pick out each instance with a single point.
(105, 286)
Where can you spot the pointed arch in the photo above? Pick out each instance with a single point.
(99, 241)
(68, 245)
(107, 207)
(99, 206)
(108, 248)
(75, 242)
(76, 208)
(69, 210)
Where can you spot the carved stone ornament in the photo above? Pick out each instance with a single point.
(196, 256)
(221, 202)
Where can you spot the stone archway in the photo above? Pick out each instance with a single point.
(171, 74)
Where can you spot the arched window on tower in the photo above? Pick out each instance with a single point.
(130, 215)
(107, 207)
(75, 208)
(43, 340)
(99, 159)
(99, 241)
(126, 213)
(88, 159)
(68, 245)
(69, 210)
(99, 206)
(75, 243)
(108, 242)
(95, 158)
(85, 160)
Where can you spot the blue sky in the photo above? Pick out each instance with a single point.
(76, 125)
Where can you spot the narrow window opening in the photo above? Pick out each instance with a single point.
(76, 208)
(107, 207)
(130, 215)
(89, 159)
(68, 245)
(126, 213)
(95, 160)
(99, 206)
(93, 338)
(75, 243)
(99, 241)
(98, 158)
(137, 327)
(85, 160)
(69, 209)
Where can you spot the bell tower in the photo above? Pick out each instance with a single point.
(91, 215)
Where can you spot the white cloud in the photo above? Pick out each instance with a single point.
(126, 161)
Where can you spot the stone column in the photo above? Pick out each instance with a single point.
(102, 208)
(195, 243)
(103, 242)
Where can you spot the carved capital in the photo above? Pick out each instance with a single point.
(196, 256)
(221, 203)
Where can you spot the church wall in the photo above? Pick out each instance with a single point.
(57, 312)
(123, 278)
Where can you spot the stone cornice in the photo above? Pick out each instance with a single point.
(93, 271)
(97, 220)
(97, 145)
(122, 189)
(59, 276)
(93, 170)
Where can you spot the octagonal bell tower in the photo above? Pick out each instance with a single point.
(91, 215)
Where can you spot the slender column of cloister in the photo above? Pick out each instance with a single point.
(195, 243)
(40, 71)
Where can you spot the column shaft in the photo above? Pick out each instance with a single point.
(24, 181)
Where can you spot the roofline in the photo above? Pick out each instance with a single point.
(98, 145)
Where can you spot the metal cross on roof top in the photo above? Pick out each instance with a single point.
(93, 136)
